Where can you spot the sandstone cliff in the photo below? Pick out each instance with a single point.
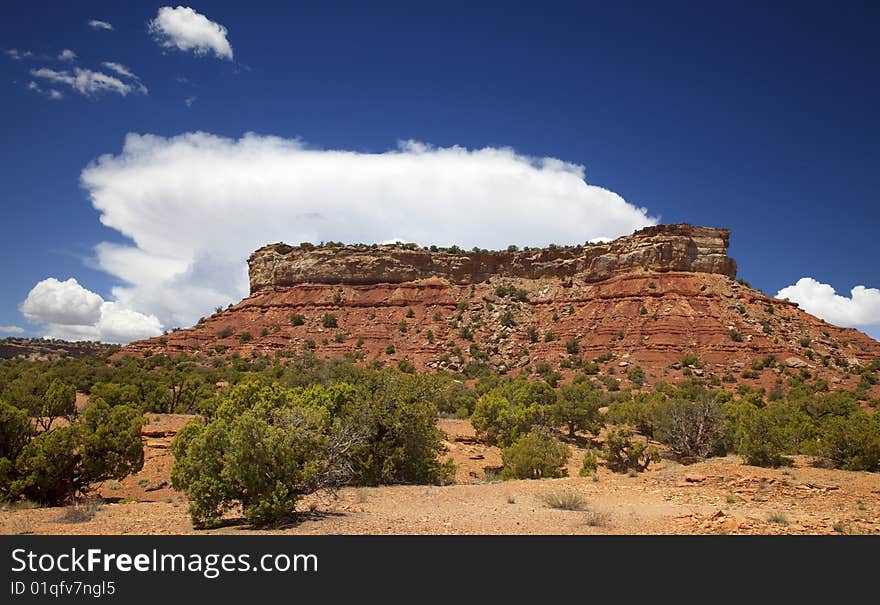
(647, 299)
(679, 247)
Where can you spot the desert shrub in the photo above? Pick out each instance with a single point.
(636, 376)
(297, 319)
(532, 332)
(46, 468)
(225, 333)
(760, 437)
(821, 405)
(267, 445)
(406, 366)
(526, 392)
(390, 350)
(590, 464)
(454, 397)
(117, 394)
(506, 290)
(735, 336)
(572, 346)
(329, 320)
(535, 455)
(498, 421)
(543, 368)
(245, 337)
(777, 517)
(403, 443)
(638, 411)
(15, 433)
(577, 407)
(622, 452)
(691, 429)
(57, 465)
(79, 513)
(59, 400)
(265, 460)
(851, 443)
(691, 360)
(611, 383)
(565, 500)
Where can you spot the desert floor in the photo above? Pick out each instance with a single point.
(718, 496)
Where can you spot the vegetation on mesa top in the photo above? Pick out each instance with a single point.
(321, 424)
(331, 245)
(679, 229)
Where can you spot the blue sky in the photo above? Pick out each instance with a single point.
(758, 118)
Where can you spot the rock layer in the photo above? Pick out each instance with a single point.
(547, 310)
(680, 247)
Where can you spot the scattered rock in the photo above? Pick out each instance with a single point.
(795, 362)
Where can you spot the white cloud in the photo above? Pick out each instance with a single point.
(11, 330)
(190, 100)
(67, 55)
(861, 309)
(51, 93)
(97, 24)
(185, 29)
(62, 302)
(18, 55)
(71, 312)
(120, 69)
(88, 82)
(196, 205)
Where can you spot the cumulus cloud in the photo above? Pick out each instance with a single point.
(196, 205)
(62, 302)
(97, 24)
(90, 83)
(67, 55)
(190, 100)
(18, 55)
(186, 30)
(11, 330)
(71, 312)
(860, 309)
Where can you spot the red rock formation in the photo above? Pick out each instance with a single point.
(647, 299)
(661, 248)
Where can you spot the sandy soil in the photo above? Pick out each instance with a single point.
(721, 495)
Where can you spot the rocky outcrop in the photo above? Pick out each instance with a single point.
(662, 248)
(647, 300)
(42, 348)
